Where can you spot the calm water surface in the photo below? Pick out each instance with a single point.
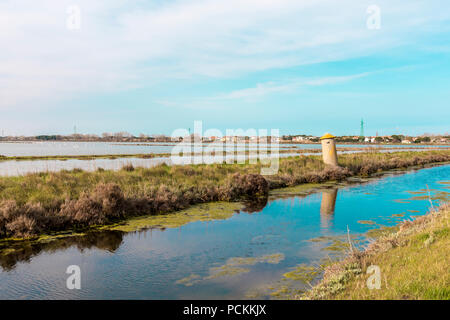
(149, 264)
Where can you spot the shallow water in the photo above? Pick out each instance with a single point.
(48, 148)
(179, 262)
(57, 148)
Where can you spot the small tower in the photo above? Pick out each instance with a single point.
(329, 153)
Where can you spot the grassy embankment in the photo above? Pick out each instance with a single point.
(413, 264)
(39, 203)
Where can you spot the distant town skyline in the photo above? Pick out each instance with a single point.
(298, 66)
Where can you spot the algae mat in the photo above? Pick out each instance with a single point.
(201, 212)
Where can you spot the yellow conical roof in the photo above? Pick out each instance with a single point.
(327, 136)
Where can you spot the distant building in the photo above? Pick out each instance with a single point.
(299, 139)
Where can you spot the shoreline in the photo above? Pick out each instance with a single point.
(411, 257)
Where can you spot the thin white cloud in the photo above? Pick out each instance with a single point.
(268, 88)
(258, 92)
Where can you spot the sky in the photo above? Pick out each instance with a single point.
(300, 66)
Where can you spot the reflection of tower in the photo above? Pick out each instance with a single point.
(327, 207)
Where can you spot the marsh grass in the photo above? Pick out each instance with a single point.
(413, 260)
(45, 202)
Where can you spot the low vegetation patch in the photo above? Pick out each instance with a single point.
(72, 200)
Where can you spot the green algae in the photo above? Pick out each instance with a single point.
(200, 212)
(366, 222)
(285, 292)
(441, 196)
(402, 200)
(226, 271)
(424, 197)
(303, 273)
(253, 294)
(336, 243)
(271, 258)
(12, 245)
(321, 239)
(233, 267)
(422, 191)
(436, 195)
(356, 179)
(189, 280)
(398, 215)
(302, 189)
(337, 246)
(333, 238)
(381, 231)
(295, 282)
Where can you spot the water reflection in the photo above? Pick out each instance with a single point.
(255, 205)
(23, 252)
(327, 206)
(104, 240)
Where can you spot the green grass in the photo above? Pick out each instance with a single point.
(413, 262)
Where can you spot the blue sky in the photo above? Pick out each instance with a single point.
(156, 66)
